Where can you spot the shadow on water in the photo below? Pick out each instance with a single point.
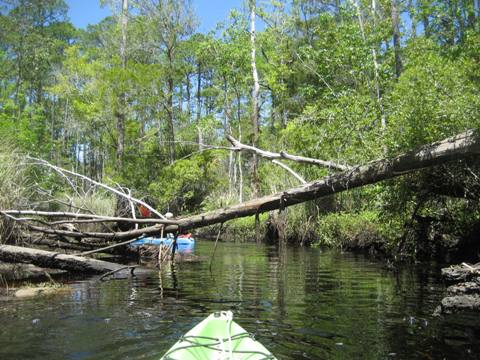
(300, 303)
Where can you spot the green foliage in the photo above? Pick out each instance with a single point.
(184, 185)
(435, 97)
(362, 230)
(243, 229)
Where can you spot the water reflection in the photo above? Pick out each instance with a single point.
(301, 303)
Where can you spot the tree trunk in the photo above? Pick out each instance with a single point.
(120, 112)
(413, 17)
(377, 95)
(383, 122)
(471, 14)
(48, 259)
(170, 110)
(455, 148)
(189, 104)
(450, 22)
(396, 38)
(199, 99)
(425, 11)
(255, 95)
(240, 168)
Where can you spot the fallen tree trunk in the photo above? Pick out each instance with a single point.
(454, 148)
(48, 259)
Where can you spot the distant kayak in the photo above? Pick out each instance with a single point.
(218, 337)
(183, 243)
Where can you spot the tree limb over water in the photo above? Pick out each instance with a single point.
(454, 148)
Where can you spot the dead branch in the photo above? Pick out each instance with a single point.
(106, 247)
(282, 165)
(283, 155)
(215, 246)
(125, 235)
(96, 183)
(128, 192)
(129, 267)
(55, 243)
(87, 217)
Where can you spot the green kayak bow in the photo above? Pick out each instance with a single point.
(218, 337)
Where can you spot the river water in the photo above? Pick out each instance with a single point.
(301, 304)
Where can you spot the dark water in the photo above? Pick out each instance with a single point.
(304, 304)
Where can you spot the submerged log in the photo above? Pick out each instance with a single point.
(12, 272)
(48, 259)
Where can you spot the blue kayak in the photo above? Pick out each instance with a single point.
(183, 244)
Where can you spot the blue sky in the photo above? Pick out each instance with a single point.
(210, 12)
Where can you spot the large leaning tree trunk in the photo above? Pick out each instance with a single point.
(455, 148)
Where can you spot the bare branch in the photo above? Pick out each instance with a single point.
(99, 184)
(283, 155)
(282, 165)
(128, 192)
(124, 235)
(92, 217)
(106, 247)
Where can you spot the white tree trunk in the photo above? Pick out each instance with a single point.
(255, 95)
(378, 91)
(240, 170)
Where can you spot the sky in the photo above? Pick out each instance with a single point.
(210, 12)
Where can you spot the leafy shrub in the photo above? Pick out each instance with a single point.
(353, 231)
(184, 185)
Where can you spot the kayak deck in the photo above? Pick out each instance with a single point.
(218, 337)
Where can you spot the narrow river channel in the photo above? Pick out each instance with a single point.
(302, 304)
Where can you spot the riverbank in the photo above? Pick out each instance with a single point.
(367, 231)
